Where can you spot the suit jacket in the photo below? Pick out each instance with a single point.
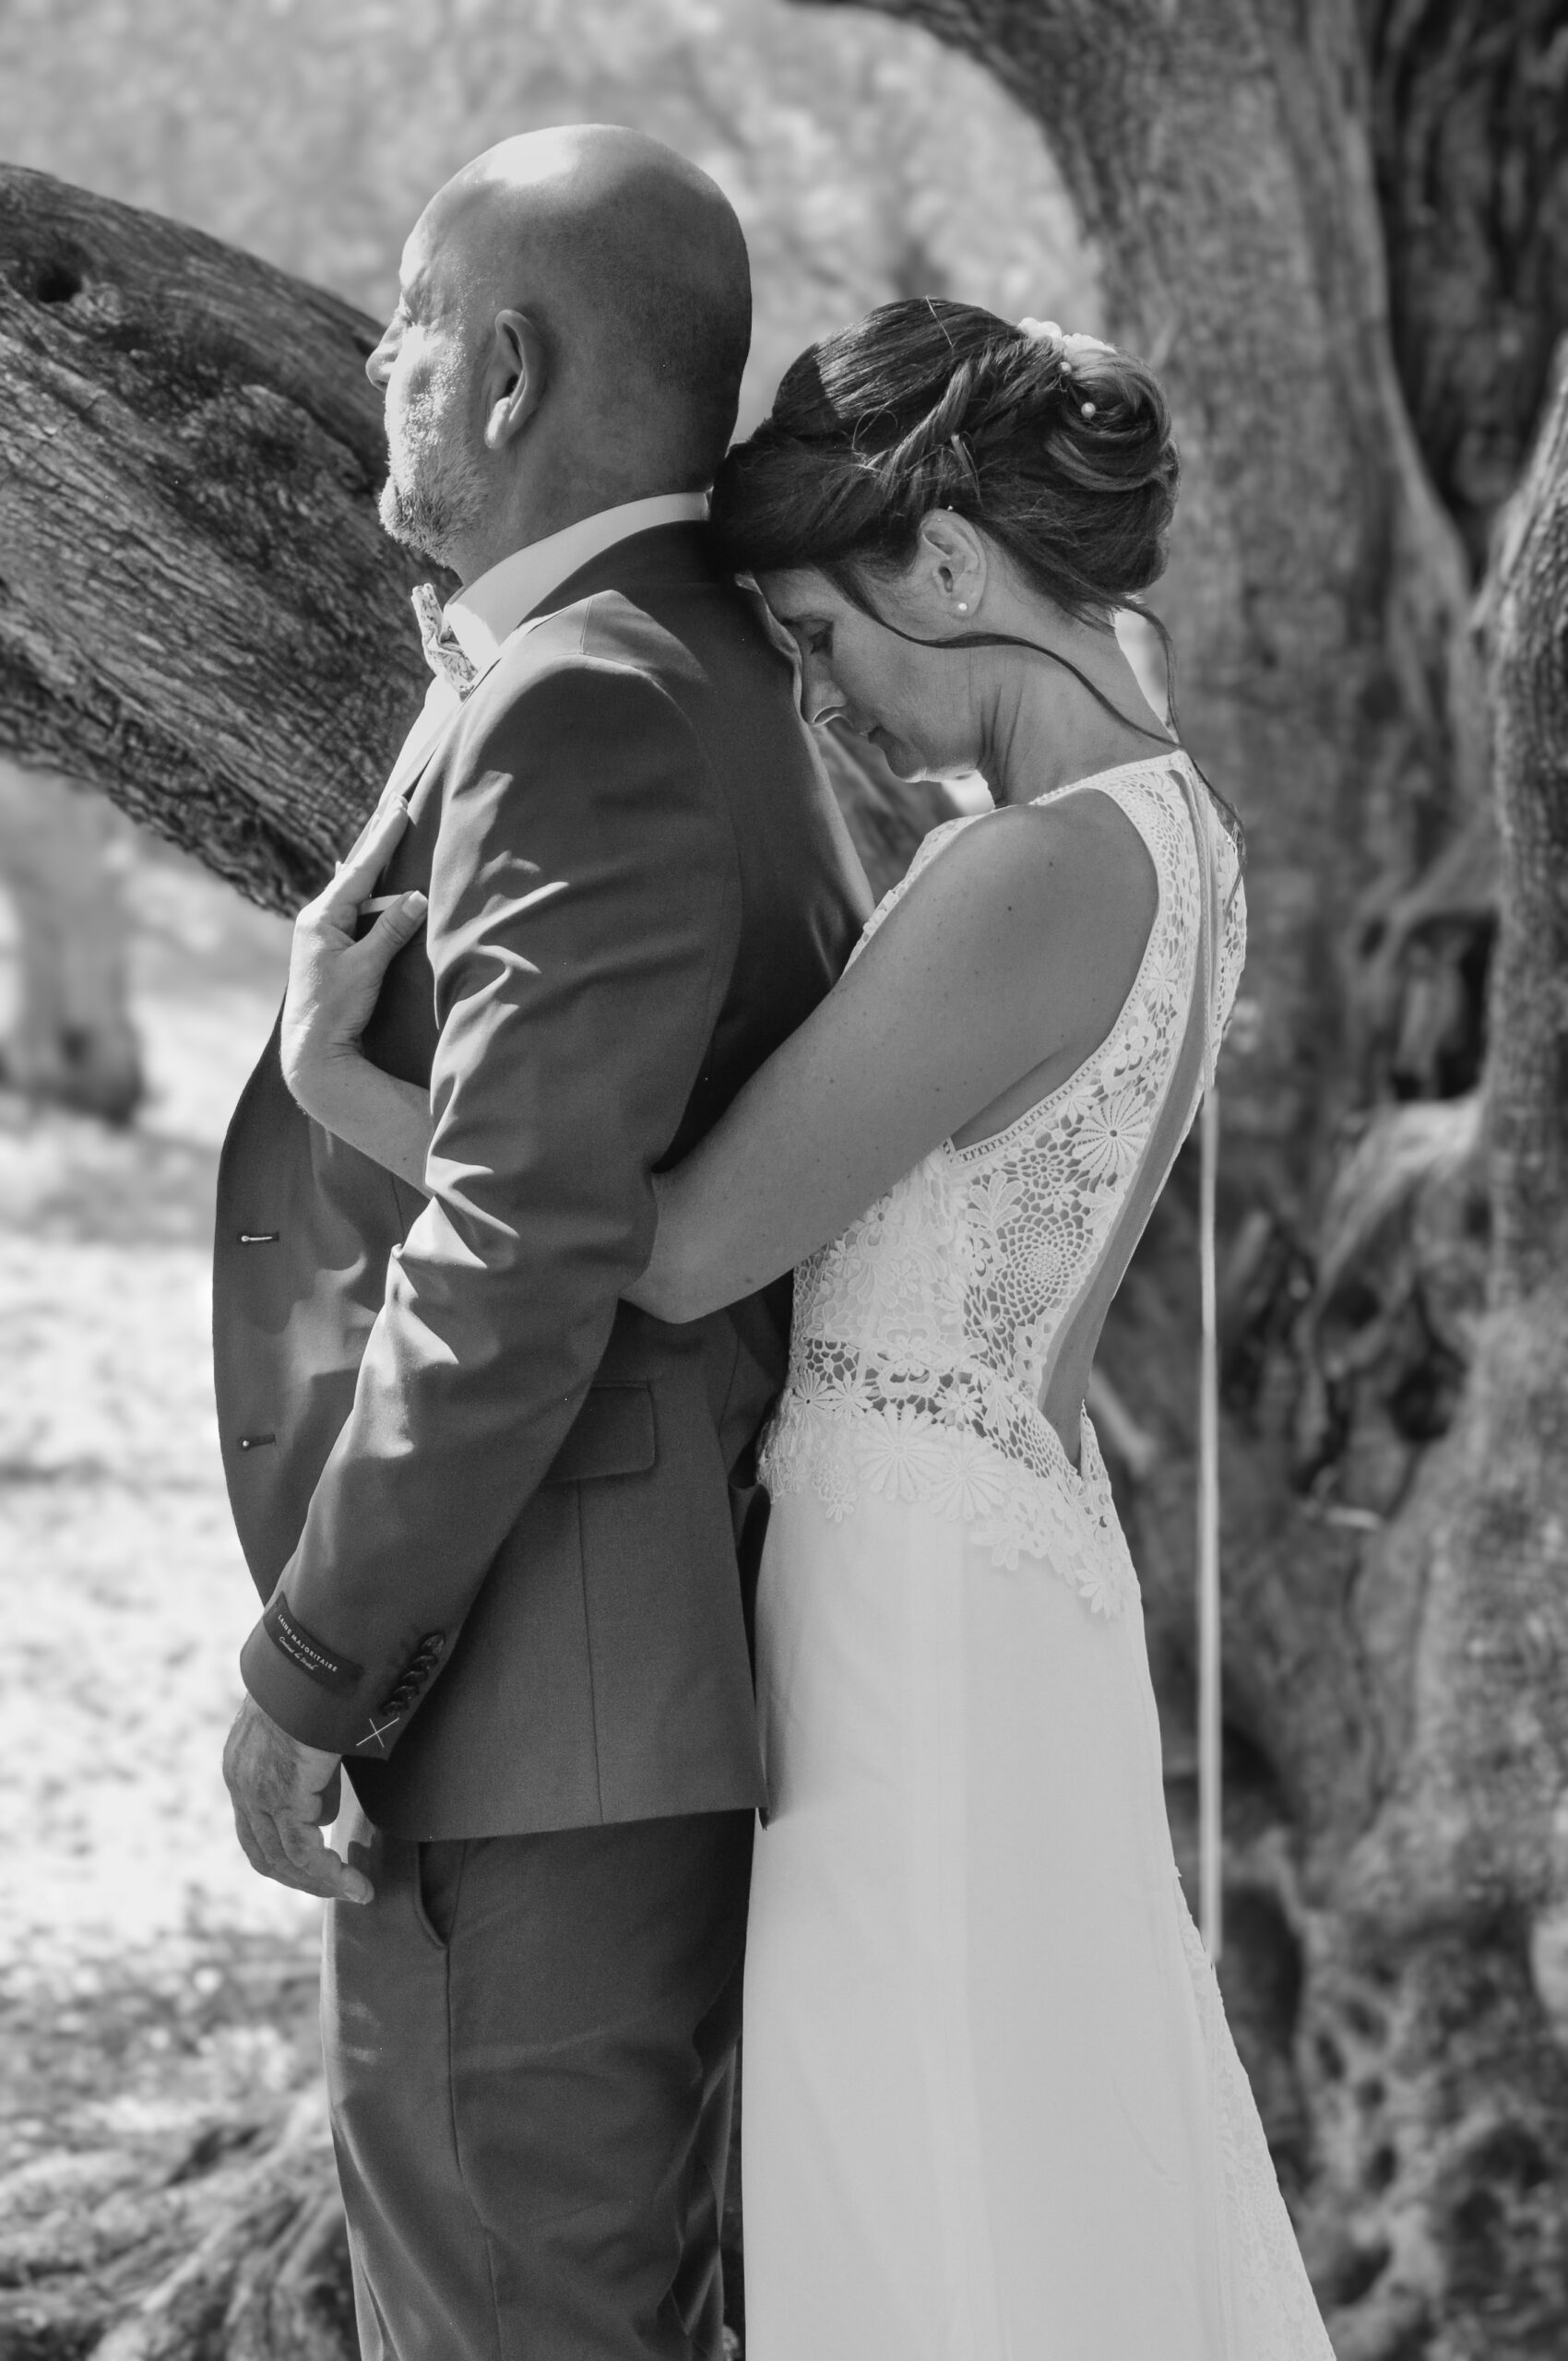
(488, 1503)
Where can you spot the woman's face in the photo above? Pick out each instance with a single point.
(915, 703)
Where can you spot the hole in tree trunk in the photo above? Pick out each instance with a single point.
(57, 281)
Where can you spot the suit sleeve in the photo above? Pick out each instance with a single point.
(584, 914)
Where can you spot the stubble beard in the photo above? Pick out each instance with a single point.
(435, 493)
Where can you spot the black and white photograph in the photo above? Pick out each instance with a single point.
(784, 1180)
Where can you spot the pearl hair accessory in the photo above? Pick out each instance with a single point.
(1072, 345)
(1071, 348)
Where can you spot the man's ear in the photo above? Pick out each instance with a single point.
(513, 378)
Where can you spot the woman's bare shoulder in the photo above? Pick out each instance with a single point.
(1054, 873)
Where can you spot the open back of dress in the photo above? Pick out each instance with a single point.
(926, 1338)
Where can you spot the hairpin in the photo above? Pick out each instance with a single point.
(1071, 348)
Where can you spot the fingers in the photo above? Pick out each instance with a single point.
(282, 1790)
(249, 1845)
(398, 923)
(361, 965)
(293, 1852)
(328, 1802)
(315, 1867)
(340, 898)
(366, 857)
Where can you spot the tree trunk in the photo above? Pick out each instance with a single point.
(1440, 2005)
(199, 613)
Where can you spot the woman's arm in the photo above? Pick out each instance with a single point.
(386, 1120)
(1009, 959)
(333, 985)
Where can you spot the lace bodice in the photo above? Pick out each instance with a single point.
(924, 1335)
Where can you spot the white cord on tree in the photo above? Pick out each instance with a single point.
(1210, 1723)
(1210, 1706)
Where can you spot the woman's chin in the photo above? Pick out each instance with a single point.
(902, 759)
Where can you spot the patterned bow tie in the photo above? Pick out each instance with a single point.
(442, 653)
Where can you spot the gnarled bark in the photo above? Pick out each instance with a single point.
(1439, 2009)
(199, 613)
(225, 2240)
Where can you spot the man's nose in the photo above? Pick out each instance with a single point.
(378, 368)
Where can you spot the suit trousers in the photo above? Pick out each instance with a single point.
(530, 2047)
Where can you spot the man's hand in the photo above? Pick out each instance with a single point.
(284, 1794)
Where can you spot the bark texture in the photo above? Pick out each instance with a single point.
(1441, 2013)
(1467, 102)
(229, 2244)
(199, 613)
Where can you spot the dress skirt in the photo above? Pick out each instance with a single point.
(992, 2112)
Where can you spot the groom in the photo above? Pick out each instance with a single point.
(487, 1506)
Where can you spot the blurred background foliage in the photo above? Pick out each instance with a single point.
(865, 160)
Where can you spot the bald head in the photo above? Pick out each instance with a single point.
(631, 259)
(589, 289)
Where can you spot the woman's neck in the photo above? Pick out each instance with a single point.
(1049, 729)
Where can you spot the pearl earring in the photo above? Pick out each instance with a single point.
(963, 606)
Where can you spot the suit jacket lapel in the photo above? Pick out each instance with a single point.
(656, 554)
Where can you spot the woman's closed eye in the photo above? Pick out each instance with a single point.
(810, 639)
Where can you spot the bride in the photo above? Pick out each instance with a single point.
(993, 2108)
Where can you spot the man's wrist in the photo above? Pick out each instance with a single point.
(320, 1721)
(312, 1760)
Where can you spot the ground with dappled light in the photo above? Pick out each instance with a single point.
(147, 1977)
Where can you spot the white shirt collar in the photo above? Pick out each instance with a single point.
(486, 612)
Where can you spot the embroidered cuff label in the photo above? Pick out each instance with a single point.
(292, 1640)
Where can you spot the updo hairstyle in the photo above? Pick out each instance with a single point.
(1060, 449)
(1067, 462)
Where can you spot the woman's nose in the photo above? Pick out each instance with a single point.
(822, 700)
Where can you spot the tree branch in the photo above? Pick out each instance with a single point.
(199, 613)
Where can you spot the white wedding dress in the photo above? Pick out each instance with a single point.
(992, 2110)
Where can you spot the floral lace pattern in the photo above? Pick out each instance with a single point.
(921, 1336)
